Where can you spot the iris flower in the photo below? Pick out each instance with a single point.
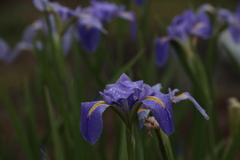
(183, 26)
(90, 20)
(125, 95)
(90, 23)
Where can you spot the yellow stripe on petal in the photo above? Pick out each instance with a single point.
(181, 95)
(142, 109)
(157, 100)
(95, 106)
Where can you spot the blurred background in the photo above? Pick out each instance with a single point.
(15, 15)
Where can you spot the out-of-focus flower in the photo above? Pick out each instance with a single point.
(89, 31)
(124, 95)
(7, 55)
(233, 20)
(182, 27)
(90, 22)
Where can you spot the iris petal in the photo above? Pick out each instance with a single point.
(161, 107)
(39, 4)
(185, 96)
(161, 50)
(142, 114)
(91, 120)
(90, 37)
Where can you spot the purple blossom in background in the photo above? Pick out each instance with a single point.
(8, 55)
(184, 25)
(234, 25)
(124, 94)
(233, 20)
(91, 19)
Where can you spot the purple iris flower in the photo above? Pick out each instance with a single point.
(182, 27)
(124, 95)
(90, 21)
(139, 2)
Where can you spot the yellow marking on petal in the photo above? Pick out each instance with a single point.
(197, 26)
(95, 106)
(155, 99)
(181, 95)
(141, 109)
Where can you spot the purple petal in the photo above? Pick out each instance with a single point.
(139, 2)
(39, 4)
(91, 120)
(234, 30)
(202, 27)
(161, 50)
(146, 91)
(4, 49)
(18, 48)
(157, 87)
(142, 114)
(106, 98)
(89, 36)
(223, 15)
(185, 96)
(161, 106)
(106, 11)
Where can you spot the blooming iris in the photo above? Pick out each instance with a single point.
(182, 27)
(90, 19)
(125, 95)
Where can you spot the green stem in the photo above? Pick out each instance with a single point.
(130, 142)
(164, 145)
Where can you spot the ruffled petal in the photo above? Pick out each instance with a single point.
(161, 50)
(91, 120)
(161, 106)
(142, 114)
(185, 96)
